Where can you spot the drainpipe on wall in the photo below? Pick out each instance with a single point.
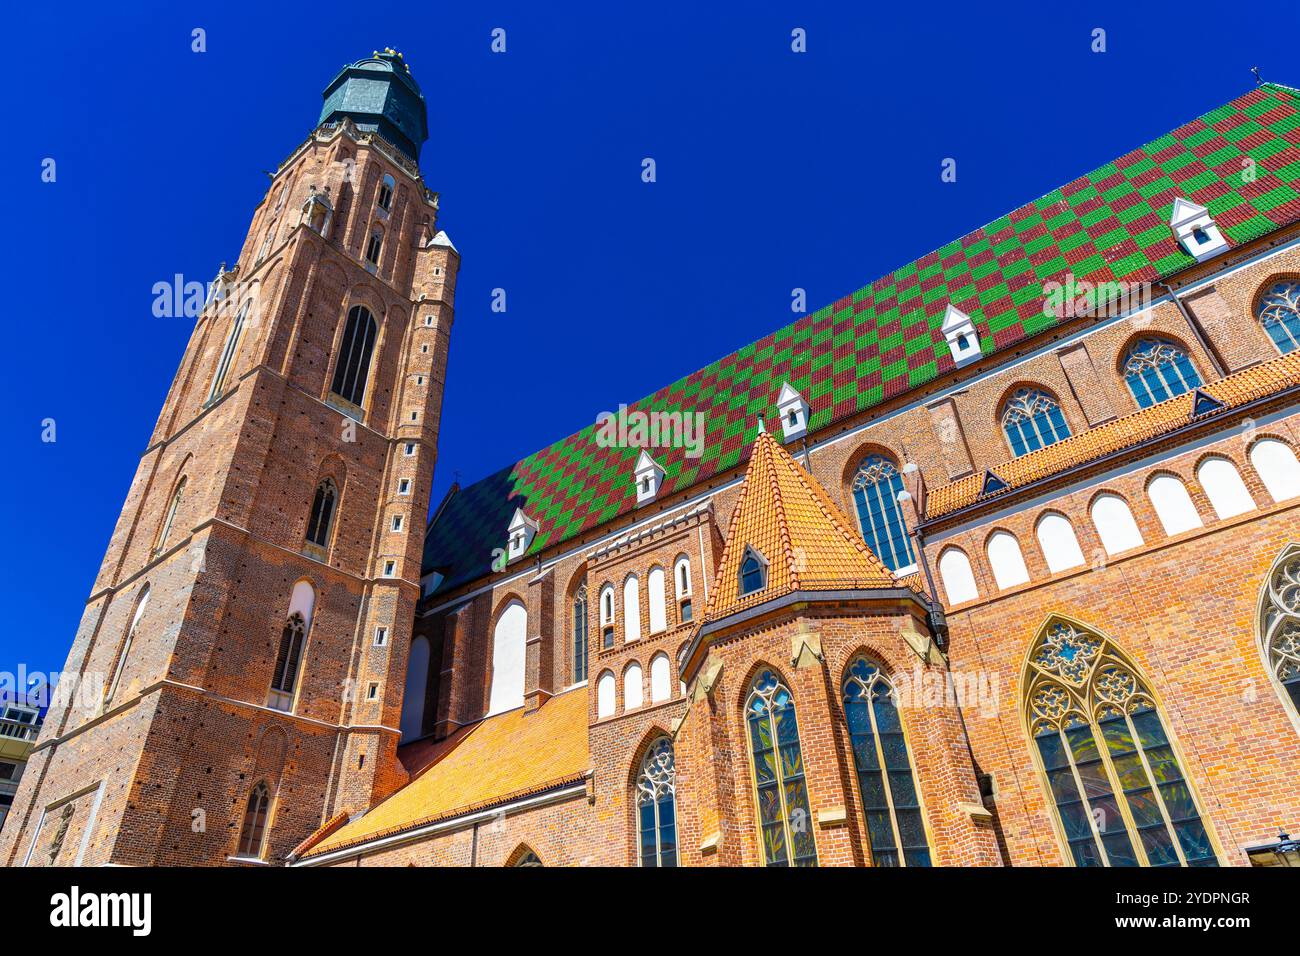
(1197, 332)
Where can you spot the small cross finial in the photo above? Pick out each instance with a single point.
(1258, 79)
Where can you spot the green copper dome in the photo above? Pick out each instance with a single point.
(380, 95)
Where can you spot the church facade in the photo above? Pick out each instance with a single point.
(992, 562)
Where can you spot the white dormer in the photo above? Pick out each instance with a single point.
(959, 332)
(649, 476)
(1196, 231)
(521, 531)
(794, 412)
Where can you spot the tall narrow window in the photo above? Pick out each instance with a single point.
(373, 247)
(580, 633)
(386, 193)
(781, 795)
(354, 356)
(322, 514)
(1120, 794)
(252, 835)
(1279, 626)
(177, 496)
(509, 657)
(1032, 420)
(607, 616)
(1279, 313)
(141, 603)
(889, 797)
(227, 355)
(875, 493)
(287, 659)
(1157, 369)
(682, 584)
(656, 805)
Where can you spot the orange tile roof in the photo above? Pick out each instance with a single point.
(1241, 388)
(505, 757)
(788, 518)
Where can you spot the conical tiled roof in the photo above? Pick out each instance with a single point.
(809, 544)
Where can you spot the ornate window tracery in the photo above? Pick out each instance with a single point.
(1279, 626)
(322, 514)
(354, 356)
(886, 785)
(1279, 314)
(1120, 794)
(656, 796)
(1157, 369)
(1032, 420)
(876, 487)
(781, 793)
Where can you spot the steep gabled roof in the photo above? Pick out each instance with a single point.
(502, 758)
(788, 520)
(1234, 391)
(1111, 225)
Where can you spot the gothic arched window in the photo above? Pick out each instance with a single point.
(876, 487)
(252, 835)
(287, 658)
(656, 796)
(527, 858)
(781, 795)
(753, 572)
(1279, 313)
(140, 604)
(386, 192)
(322, 514)
(373, 247)
(1120, 793)
(1279, 625)
(227, 355)
(1032, 420)
(890, 803)
(580, 633)
(354, 356)
(177, 496)
(1157, 369)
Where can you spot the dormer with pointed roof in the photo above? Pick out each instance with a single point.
(1196, 231)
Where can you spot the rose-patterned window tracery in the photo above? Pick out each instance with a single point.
(1280, 624)
(656, 797)
(1120, 793)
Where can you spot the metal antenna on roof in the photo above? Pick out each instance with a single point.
(1258, 79)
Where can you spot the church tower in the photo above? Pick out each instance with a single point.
(236, 678)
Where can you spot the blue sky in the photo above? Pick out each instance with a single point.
(776, 170)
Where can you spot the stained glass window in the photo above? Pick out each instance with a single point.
(1032, 420)
(875, 493)
(1279, 313)
(890, 805)
(1157, 369)
(1120, 793)
(784, 820)
(656, 794)
(1280, 626)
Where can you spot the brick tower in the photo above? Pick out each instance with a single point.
(239, 664)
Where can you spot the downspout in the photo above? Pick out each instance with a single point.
(1197, 332)
(939, 629)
